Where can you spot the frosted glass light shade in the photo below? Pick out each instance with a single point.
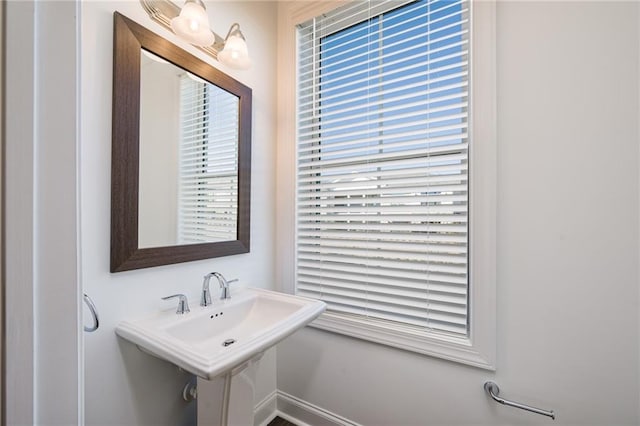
(235, 53)
(193, 24)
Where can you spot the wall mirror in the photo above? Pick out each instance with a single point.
(181, 155)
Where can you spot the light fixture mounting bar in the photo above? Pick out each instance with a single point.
(162, 11)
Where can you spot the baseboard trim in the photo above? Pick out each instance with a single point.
(266, 410)
(295, 410)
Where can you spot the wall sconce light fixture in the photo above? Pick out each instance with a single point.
(191, 23)
(235, 53)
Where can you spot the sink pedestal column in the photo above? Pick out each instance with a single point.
(228, 399)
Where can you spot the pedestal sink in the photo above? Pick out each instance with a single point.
(212, 340)
(215, 341)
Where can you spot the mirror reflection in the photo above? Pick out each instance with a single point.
(188, 187)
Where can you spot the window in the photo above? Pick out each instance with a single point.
(383, 183)
(208, 192)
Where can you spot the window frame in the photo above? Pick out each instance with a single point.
(479, 348)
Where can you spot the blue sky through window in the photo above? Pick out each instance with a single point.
(381, 69)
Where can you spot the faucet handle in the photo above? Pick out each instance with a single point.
(183, 305)
(224, 285)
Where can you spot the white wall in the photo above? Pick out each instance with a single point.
(568, 245)
(159, 159)
(123, 385)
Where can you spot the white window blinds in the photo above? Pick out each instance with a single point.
(382, 187)
(208, 192)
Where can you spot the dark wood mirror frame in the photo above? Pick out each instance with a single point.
(128, 40)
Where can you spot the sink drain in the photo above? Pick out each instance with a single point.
(228, 342)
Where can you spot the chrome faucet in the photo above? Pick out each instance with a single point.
(205, 298)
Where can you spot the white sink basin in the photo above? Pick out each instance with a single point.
(253, 320)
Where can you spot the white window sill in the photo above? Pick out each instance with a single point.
(442, 346)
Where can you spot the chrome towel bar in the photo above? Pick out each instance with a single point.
(94, 313)
(493, 390)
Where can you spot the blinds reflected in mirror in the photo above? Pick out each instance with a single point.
(208, 190)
